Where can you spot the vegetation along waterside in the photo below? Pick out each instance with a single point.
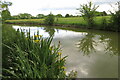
(75, 22)
(89, 18)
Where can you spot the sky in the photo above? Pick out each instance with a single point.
(63, 7)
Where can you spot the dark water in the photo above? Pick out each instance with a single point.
(92, 53)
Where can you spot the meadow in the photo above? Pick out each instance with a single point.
(76, 21)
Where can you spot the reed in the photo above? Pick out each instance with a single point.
(34, 57)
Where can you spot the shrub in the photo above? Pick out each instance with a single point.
(115, 19)
(88, 12)
(5, 15)
(50, 19)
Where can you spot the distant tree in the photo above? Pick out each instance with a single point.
(100, 13)
(71, 15)
(104, 13)
(4, 10)
(49, 19)
(25, 16)
(67, 15)
(5, 15)
(33, 17)
(59, 15)
(40, 16)
(88, 13)
(15, 17)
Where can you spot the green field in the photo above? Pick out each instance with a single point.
(78, 21)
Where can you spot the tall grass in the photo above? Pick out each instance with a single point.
(33, 57)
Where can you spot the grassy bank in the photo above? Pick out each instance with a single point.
(101, 22)
(78, 21)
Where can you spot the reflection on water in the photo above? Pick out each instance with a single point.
(93, 54)
(89, 43)
(50, 30)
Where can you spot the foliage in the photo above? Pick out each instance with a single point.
(25, 16)
(100, 13)
(4, 5)
(50, 19)
(59, 15)
(76, 21)
(7, 39)
(32, 57)
(115, 19)
(4, 11)
(5, 15)
(39, 16)
(67, 15)
(88, 13)
(14, 17)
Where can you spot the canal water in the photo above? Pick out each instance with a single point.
(92, 53)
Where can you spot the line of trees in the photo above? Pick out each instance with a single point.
(39, 16)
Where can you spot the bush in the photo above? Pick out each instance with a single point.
(5, 15)
(50, 19)
(115, 20)
(88, 12)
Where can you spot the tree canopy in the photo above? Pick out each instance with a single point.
(88, 12)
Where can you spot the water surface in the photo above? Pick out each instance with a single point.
(92, 53)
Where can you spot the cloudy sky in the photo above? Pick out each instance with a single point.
(63, 7)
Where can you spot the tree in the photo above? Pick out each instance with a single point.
(15, 17)
(115, 19)
(5, 15)
(59, 15)
(67, 15)
(88, 13)
(100, 13)
(49, 19)
(104, 13)
(4, 5)
(25, 16)
(4, 11)
(40, 16)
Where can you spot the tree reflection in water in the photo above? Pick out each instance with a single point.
(110, 44)
(88, 44)
(50, 30)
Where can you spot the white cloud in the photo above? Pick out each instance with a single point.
(63, 7)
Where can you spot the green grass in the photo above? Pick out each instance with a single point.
(101, 22)
(71, 21)
(26, 21)
(64, 21)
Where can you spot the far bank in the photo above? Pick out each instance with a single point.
(101, 22)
